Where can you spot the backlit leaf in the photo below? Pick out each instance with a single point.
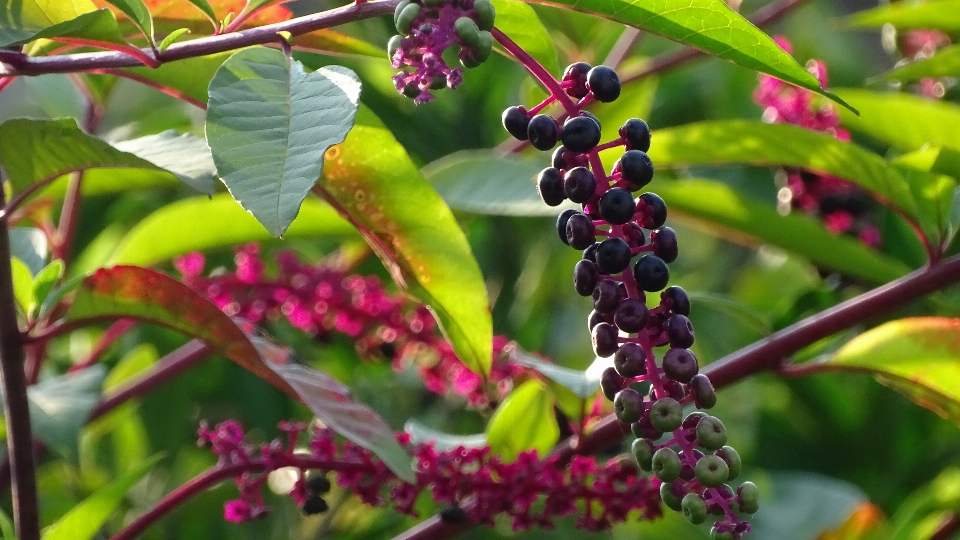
(138, 13)
(940, 15)
(906, 121)
(519, 21)
(524, 421)
(186, 156)
(944, 63)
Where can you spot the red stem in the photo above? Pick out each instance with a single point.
(172, 92)
(537, 70)
(146, 57)
(109, 336)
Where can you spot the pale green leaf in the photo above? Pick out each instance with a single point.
(60, 406)
(45, 281)
(524, 421)
(937, 15)
(520, 22)
(945, 63)
(30, 246)
(186, 156)
(902, 120)
(443, 442)
(582, 384)
(139, 14)
(22, 284)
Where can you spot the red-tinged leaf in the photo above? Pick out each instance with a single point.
(865, 523)
(918, 357)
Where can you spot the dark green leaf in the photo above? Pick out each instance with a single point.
(139, 14)
(940, 15)
(902, 120)
(30, 246)
(269, 124)
(734, 308)
(709, 25)
(524, 421)
(420, 433)
(205, 8)
(372, 181)
(582, 384)
(184, 226)
(186, 156)
(520, 22)
(60, 406)
(945, 63)
(190, 76)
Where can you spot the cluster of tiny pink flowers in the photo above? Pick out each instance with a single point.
(531, 491)
(321, 300)
(841, 204)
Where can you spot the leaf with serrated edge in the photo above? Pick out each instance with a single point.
(371, 180)
(268, 126)
(524, 421)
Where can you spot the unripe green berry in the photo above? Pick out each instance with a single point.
(711, 471)
(467, 31)
(694, 509)
(482, 51)
(628, 405)
(711, 433)
(669, 497)
(749, 497)
(393, 45)
(406, 18)
(666, 464)
(666, 414)
(485, 14)
(732, 458)
(469, 62)
(643, 452)
(399, 9)
(721, 535)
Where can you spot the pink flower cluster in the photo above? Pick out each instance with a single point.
(920, 44)
(321, 300)
(532, 491)
(841, 204)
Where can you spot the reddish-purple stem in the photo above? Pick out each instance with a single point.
(112, 334)
(537, 70)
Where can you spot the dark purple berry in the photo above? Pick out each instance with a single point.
(675, 300)
(654, 210)
(581, 232)
(611, 383)
(550, 186)
(580, 134)
(562, 220)
(577, 73)
(314, 505)
(453, 514)
(596, 318)
(635, 168)
(613, 255)
(680, 365)
(515, 121)
(617, 206)
(559, 160)
(693, 419)
(651, 273)
(636, 135)
(542, 131)
(317, 483)
(634, 235)
(579, 184)
(604, 83)
(665, 244)
(604, 339)
(630, 361)
(585, 276)
(703, 393)
(680, 331)
(606, 296)
(590, 254)
(631, 315)
(673, 389)
(645, 430)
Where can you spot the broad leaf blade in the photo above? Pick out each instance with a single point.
(184, 226)
(902, 120)
(60, 406)
(373, 182)
(186, 156)
(918, 357)
(269, 124)
(524, 421)
(30, 246)
(139, 14)
(95, 26)
(582, 384)
(443, 442)
(940, 15)
(709, 25)
(520, 22)
(190, 76)
(84, 521)
(945, 63)
(22, 284)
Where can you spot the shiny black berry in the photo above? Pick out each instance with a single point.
(559, 160)
(636, 134)
(665, 244)
(542, 132)
(314, 505)
(631, 315)
(613, 255)
(604, 83)
(604, 338)
(654, 210)
(515, 121)
(634, 235)
(606, 296)
(636, 169)
(651, 273)
(675, 300)
(453, 514)
(562, 220)
(577, 74)
(317, 483)
(611, 383)
(550, 186)
(630, 360)
(590, 254)
(680, 365)
(579, 184)
(580, 134)
(585, 276)
(596, 318)
(617, 206)
(580, 231)
(680, 331)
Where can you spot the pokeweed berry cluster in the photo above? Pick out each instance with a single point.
(693, 479)
(426, 29)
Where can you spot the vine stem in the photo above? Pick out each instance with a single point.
(14, 63)
(17, 409)
(537, 70)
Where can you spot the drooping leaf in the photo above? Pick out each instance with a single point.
(60, 406)
(940, 15)
(371, 180)
(945, 63)
(582, 384)
(139, 14)
(30, 246)
(84, 521)
(518, 20)
(902, 120)
(420, 433)
(708, 25)
(25, 20)
(186, 156)
(184, 226)
(918, 357)
(269, 124)
(524, 421)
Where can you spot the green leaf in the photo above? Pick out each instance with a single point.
(139, 14)
(945, 63)
(190, 76)
(902, 120)
(84, 521)
(740, 311)
(94, 26)
(708, 25)
(30, 246)
(269, 124)
(582, 384)
(519, 21)
(20, 20)
(204, 7)
(524, 421)
(184, 226)
(22, 284)
(171, 38)
(918, 357)
(60, 406)
(940, 15)
(443, 442)
(371, 180)
(186, 156)
(923, 511)
(45, 281)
